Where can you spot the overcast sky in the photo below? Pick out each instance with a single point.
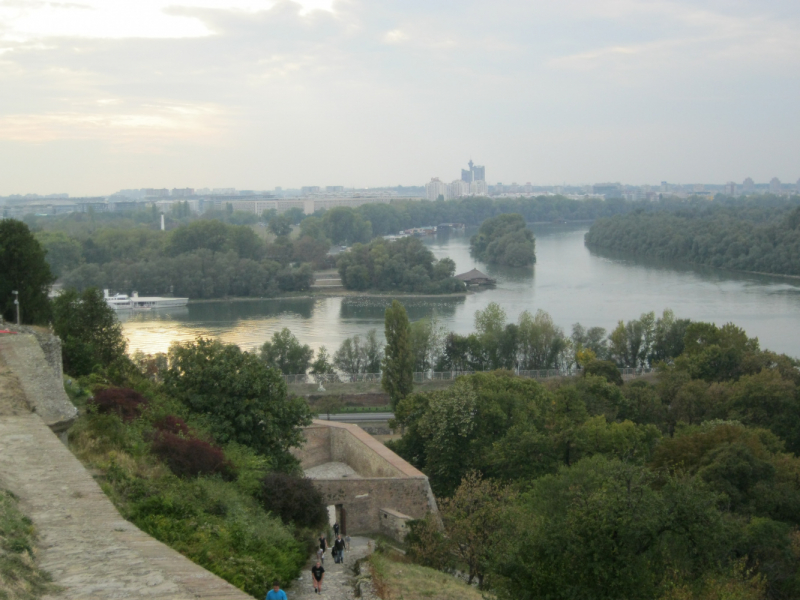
(98, 95)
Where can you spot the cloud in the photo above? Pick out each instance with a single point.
(394, 91)
(135, 129)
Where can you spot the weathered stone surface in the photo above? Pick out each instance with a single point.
(394, 523)
(43, 386)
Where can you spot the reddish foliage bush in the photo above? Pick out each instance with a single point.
(190, 457)
(172, 424)
(293, 499)
(126, 403)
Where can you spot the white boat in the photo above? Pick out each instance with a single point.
(137, 302)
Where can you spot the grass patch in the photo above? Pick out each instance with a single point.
(396, 579)
(20, 578)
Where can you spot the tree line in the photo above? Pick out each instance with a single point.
(741, 236)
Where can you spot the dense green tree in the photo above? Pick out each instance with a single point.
(747, 234)
(91, 334)
(237, 397)
(356, 355)
(286, 354)
(344, 225)
(63, 252)
(322, 363)
(605, 369)
(398, 363)
(280, 225)
(427, 338)
(405, 265)
(23, 268)
(602, 529)
(505, 240)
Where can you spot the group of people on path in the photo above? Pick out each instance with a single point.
(339, 546)
(317, 571)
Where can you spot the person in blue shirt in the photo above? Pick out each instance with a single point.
(276, 593)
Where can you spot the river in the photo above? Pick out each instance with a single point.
(569, 281)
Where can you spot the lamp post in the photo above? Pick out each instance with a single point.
(16, 302)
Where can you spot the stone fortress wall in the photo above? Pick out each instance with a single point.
(381, 492)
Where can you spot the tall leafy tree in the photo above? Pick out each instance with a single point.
(398, 364)
(239, 398)
(286, 354)
(23, 268)
(90, 332)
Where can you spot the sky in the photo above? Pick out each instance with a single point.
(100, 95)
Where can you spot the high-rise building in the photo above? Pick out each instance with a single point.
(797, 185)
(730, 189)
(182, 192)
(436, 188)
(334, 188)
(479, 187)
(748, 186)
(474, 173)
(309, 189)
(775, 186)
(459, 188)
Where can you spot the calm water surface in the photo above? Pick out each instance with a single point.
(569, 281)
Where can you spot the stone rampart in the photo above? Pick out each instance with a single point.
(35, 358)
(385, 481)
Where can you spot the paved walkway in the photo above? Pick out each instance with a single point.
(339, 579)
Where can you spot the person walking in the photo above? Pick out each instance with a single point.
(338, 549)
(323, 545)
(317, 574)
(335, 529)
(276, 593)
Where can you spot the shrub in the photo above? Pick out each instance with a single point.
(126, 403)
(294, 499)
(172, 424)
(603, 368)
(190, 457)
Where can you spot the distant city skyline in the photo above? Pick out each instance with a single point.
(747, 186)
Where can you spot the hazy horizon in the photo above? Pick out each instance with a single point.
(105, 95)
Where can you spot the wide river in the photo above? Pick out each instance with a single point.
(569, 281)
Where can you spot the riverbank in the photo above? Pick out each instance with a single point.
(333, 294)
(615, 252)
